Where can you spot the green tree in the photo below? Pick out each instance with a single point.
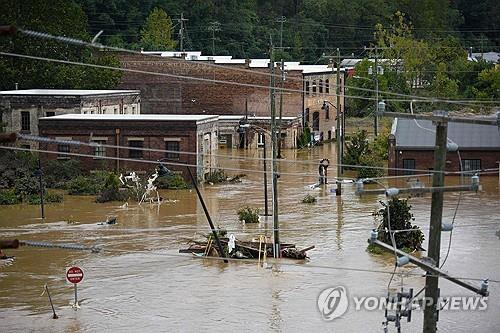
(488, 84)
(157, 32)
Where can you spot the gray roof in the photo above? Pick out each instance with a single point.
(65, 92)
(134, 117)
(420, 134)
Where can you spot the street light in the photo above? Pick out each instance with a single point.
(340, 147)
(260, 130)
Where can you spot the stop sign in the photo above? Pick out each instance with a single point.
(74, 274)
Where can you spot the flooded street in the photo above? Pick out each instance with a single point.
(139, 282)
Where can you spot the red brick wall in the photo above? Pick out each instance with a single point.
(152, 132)
(164, 94)
(424, 159)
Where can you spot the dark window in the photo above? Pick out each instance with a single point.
(134, 153)
(320, 86)
(314, 87)
(50, 114)
(306, 116)
(25, 121)
(471, 165)
(327, 86)
(327, 112)
(172, 146)
(410, 165)
(316, 121)
(63, 148)
(329, 135)
(307, 87)
(100, 150)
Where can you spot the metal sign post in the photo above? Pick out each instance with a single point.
(74, 275)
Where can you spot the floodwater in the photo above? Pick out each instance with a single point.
(139, 282)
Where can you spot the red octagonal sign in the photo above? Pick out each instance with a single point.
(74, 274)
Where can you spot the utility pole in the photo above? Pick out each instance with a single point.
(431, 306)
(281, 20)
(42, 192)
(274, 179)
(181, 31)
(214, 27)
(266, 209)
(434, 247)
(338, 132)
(282, 68)
(375, 125)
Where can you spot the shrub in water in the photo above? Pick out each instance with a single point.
(248, 215)
(173, 181)
(82, 185)
(309, 199)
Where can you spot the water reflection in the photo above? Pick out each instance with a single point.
(139, 283)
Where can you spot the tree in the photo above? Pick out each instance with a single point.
(488, 85)
(398, 212)
(157, 32)
(71, 22)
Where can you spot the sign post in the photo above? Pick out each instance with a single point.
(74, 275)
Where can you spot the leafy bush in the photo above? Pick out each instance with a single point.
(309, 199)
(216, 177)
(304, 138)
(9, 197)
(58, 172)
(380, 145)
(356, 147)
(400, 217)
(26, 186)
(370, 160)
(172, 181)
(111, 190)
(82, 185)
(248, 215)
(15, 165)
(49, 197)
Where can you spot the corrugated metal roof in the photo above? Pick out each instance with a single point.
(420, 134)
(65, 92)
(125, 117)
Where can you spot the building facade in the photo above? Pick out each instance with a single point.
(320, 103)
(411, 147)
(231, 135)
(21, 109)
(177, 140)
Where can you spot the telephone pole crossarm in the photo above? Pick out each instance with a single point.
(430, 268)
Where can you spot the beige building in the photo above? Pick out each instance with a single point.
(320, 101)
(21, 109)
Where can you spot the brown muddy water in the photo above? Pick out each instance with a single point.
(139, 282)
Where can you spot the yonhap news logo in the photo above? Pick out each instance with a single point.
(334, 302)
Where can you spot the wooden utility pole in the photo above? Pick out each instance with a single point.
(434, 247)
(338, 131)
(274, 179)
(282, 76)
(181, 31)
(375, 124)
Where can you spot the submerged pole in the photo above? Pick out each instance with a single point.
(207, 214)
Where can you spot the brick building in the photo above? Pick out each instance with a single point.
(195, 134)
(173, 95)
(411, 146)
(21, 109)
(308, 87)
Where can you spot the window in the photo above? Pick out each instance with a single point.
(320, 86)
(327, 112)
(327, 86)
(104, 111)
(99, 150)
(133, 110)
(172, 146)
(329, 135)
(133, 153)
(316, 121)
(306, 116)
(115, 111)
(50, 114)
(410, 165)
(471, 165)
(63, 148)
(25, 121)
(307, 87)
(314, 87)
(125, 110)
